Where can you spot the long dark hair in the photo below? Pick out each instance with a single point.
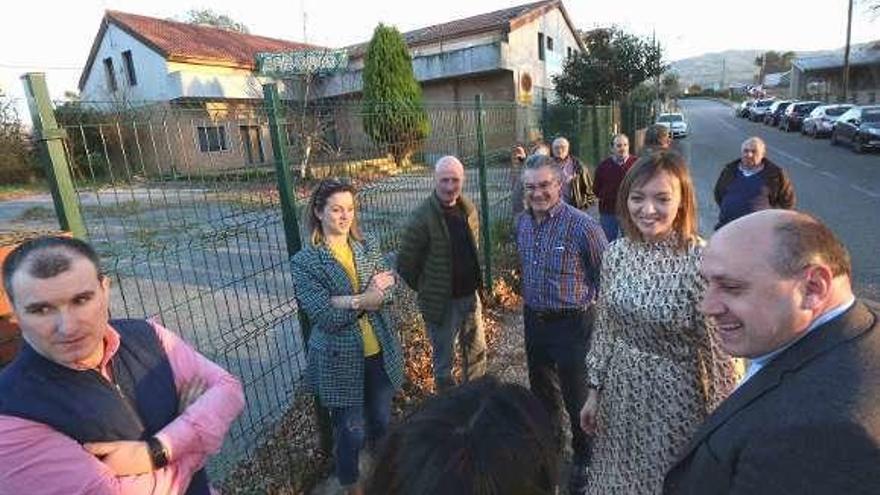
(318, 201)
(483, 438)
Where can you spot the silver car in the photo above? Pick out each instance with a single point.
(675, 122)
(757, 111)
(821, 119)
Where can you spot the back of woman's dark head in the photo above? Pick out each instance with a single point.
(483, 438)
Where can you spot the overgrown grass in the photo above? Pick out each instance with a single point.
(36, 213)
(120, 209)
(14, 191)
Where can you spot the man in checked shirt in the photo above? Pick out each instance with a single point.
(560, 248)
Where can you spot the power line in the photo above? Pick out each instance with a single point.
(42, 67)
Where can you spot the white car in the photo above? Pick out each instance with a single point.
(675, 122)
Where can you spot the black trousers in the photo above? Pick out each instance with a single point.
(556, 347)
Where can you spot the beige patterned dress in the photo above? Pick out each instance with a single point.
(653, 358)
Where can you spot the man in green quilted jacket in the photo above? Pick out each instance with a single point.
(438, 258)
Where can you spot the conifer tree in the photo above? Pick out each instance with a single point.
(394, 116)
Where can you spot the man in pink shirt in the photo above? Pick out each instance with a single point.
(91, 406)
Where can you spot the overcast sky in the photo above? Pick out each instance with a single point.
(55, 37)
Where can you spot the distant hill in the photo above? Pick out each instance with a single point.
(706, 69)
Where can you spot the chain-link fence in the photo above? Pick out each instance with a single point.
(186, 205)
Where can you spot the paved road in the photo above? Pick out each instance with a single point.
(833, 183)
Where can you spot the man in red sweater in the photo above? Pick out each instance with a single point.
(609, 175)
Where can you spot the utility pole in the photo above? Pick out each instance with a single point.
(302, 4)
(656, 77)
(846, 53)
(763, 69)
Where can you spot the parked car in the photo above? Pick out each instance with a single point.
(859, 127)
(743, 109)
(757, 111)
(675, 122)
(821, 119)
(774, 113)
(795, 113)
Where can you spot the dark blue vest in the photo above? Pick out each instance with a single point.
(744, 195)
(85, 406)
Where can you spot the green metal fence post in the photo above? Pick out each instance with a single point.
(50, 138)
(578, 132)
(594, 124)
(282, 170)
(545, 132)
(486, 228)
(292, 237)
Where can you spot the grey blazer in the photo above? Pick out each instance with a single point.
(336, 349)
(808, 423)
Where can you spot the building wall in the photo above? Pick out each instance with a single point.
(444, 46)
(453, 127)
(161, 80)
(206, 81)
(494, 87)
(459, 57)
(523, 54)
(460, 61)
(828, 84)
(149, 69)
(163, 139)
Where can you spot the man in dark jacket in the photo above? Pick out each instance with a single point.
(578, 187)
(438, 258)
(752, 183)
(804, 419)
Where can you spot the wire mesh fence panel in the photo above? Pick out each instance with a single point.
(389, 191)
(182, 202)
(182, 208)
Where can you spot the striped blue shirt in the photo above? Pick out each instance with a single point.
(561, 257)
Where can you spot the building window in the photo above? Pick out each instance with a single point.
(550, 43)
(129, 68)
(212, 138)
(292, 134)
(110, 73)
(540, 46)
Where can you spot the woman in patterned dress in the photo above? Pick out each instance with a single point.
(654, 370)
(355, 363)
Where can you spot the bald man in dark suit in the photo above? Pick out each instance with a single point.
(806, 418)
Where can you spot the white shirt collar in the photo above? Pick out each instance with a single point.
(748, 172)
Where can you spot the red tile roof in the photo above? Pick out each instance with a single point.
(182, 42)
(505, 20)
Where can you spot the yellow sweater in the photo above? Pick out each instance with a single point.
(345, 256)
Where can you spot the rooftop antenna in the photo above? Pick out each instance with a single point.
(305, 18)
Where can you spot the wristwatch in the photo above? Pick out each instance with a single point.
(158, 454)
(356, 303)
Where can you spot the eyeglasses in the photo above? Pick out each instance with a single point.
(541, 186)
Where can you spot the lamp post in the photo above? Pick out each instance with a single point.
(846, 53)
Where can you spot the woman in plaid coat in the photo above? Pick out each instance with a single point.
(355, 363)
